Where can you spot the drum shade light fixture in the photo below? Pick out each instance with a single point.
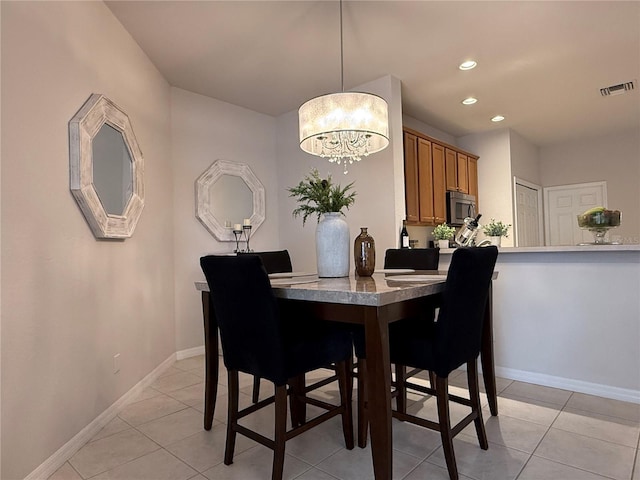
(344, 127)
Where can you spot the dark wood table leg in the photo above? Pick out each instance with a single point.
(211, 361)
(486, 355)
(379, 391)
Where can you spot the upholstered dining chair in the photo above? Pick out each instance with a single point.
(415, 258)
(259, 338)
(410, 258)
(276, 261)
(454, 340)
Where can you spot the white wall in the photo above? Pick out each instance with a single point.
(204, 130)
(495, 193)
(421, 127)
(613, 158)
(69, 301)
(379, 183)
(525, 163)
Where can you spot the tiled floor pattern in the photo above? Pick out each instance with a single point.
(541, 434)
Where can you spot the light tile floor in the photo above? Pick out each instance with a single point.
(541, 434)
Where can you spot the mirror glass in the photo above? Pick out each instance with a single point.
(112, 170)
(231, 200)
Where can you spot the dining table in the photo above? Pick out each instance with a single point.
(373, 302)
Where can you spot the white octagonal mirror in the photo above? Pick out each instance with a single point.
(106, 168)
(226, 194)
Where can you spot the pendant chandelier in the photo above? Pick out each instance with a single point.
(344, 127)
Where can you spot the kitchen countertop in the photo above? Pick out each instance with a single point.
(564, 248)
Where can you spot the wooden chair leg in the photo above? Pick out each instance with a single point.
(297, 385)
(232, 416)
(363, 422)
(280, 432)
(432, 380)
(401, 388)
(343, 370)
(442, 395)
(255, 394)
(350, 367)
(474, 396)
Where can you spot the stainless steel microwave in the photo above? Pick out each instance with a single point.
(459, 206)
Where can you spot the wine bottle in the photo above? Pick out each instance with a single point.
(404, 235)
(468, 232)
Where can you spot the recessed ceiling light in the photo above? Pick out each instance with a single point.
(468, 65)
(497, 118)
(469, 101)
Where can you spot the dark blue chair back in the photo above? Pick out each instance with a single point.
(278, 261)
(247, 315)
(415, 258)
(458, 331)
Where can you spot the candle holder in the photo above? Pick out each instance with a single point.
(247, 234)
(238, 235)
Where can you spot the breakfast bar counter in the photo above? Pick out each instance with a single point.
(569, 317)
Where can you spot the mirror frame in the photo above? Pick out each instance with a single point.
(204, 212)
(83, 127)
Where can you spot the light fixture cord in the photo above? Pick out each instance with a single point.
(341, 53)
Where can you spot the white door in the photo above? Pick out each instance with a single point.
(528, 228)
(562, 206)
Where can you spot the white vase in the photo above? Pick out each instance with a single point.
(332, 246)
(443, 243)
(495, 240)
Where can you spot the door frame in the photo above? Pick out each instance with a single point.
(601, 184)
(541, 213)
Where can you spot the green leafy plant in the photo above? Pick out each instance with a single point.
(496, 229)
(443, 232)
(316, 195)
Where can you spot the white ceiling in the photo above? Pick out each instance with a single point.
(540, 64)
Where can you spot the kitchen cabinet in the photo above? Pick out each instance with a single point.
(451, 166)
(439, 186)
(457, 171)
(425, 190)
(411, 177)
(431, 168)
(462, 173)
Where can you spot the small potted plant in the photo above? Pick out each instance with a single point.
(443, 233)
(495, 231)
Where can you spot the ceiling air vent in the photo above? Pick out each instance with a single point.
(618, 89)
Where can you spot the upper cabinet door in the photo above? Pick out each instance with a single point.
(425, 182)
(439, 190)
(451, 168)
(411, 177)
(463, 175)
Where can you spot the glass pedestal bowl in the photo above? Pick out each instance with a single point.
(599, 236)
(599, 223)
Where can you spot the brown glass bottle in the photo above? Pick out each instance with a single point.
(364, 253)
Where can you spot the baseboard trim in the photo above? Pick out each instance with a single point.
(64, 453)
(190, 352)
(607, 391)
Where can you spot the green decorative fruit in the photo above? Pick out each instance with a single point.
(599, 217)
(594, 210)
